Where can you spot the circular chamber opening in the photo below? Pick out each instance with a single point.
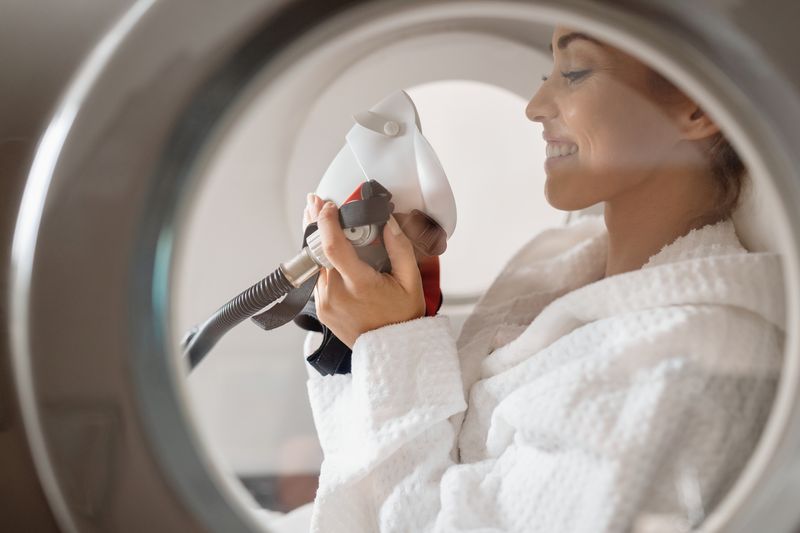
(259, 135)
(469, 92)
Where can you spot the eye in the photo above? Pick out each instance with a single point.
(575, 74)
(572, 76)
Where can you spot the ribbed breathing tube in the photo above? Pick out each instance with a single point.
(201, 339)
(363, 222)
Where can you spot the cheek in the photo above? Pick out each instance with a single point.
(621, 137)
(617, 130)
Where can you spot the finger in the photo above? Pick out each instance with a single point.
(315, 206)
(334, 283)
(401, 254)
(331, 291)
(425, 234)
(311, 211)
(321, 288)
(312, 206)
(322, 280)
(339, 250)
(308, 218)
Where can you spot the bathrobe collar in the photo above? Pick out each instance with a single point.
(708, 266)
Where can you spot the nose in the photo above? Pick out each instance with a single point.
(541, 106)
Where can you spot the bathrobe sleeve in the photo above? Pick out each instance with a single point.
(385, 429)
(581, 447)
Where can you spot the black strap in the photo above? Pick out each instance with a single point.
(374, 210)
(332, 356)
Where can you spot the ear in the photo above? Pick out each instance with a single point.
(694, 123)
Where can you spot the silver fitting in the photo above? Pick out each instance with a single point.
(361, 235)
(314, 247)
(311, 258)
(301, 267)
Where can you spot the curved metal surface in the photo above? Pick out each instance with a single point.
(33, 81)
(104, 487)
(94, 240)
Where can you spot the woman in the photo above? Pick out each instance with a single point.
(616, 374)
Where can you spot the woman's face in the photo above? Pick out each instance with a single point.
(596, 109)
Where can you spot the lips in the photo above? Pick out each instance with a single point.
(558, 146)
(549, 137)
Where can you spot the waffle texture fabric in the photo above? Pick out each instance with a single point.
(570, 402)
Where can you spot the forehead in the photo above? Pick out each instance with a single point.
(623, 63)
(562, 37)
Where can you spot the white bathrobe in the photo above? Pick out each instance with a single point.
(570, 403)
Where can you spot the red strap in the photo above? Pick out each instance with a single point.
(355, 196)
(429, 268)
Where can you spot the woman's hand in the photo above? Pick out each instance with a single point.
(353, 298)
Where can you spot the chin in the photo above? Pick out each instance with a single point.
(564, 197)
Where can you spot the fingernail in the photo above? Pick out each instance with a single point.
(329, 205)
(394, 227)
(310, 199)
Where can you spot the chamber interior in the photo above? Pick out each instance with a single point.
(471, 87)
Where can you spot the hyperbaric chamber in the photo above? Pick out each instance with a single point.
(190, 132)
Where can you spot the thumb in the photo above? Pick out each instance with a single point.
(401, 253)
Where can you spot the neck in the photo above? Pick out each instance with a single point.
(662, 208)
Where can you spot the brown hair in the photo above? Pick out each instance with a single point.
(727, 168)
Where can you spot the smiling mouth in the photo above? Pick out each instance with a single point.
(561, 149)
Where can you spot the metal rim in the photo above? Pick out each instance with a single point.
(762, 135)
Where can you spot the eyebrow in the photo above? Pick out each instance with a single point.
(564, 40)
